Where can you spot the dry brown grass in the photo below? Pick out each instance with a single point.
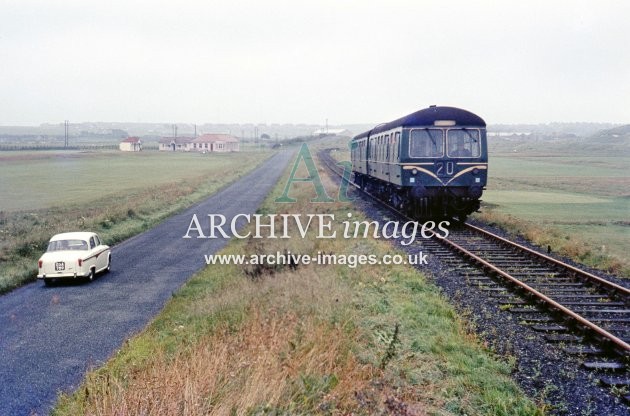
(569, 246)
(262, 361)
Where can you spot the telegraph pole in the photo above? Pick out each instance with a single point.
(66, 127)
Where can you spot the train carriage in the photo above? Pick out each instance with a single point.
(432, 163)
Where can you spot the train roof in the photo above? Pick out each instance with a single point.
(427, 117)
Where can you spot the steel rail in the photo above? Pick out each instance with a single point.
(582, 273)
(619, 343)
(577, 317)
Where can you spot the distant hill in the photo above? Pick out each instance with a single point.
(618, 134)
(557, 129)
(613, 141)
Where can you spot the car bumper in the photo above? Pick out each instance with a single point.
(63, 275)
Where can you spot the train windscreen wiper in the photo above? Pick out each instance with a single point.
(432, 139)
(470, 135)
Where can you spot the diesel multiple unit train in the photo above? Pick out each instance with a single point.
(432, 163)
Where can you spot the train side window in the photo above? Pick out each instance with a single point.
(380, 148)
(397, 145)
(426, 143)
(375, 157)
(375, 149)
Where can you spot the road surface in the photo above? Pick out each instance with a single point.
(50, 336)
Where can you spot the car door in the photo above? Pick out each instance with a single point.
(90, 258)
(101, 260)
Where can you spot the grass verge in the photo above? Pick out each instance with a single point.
(570, 244)
(311, 340)
(24, 234)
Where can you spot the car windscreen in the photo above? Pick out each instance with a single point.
(463, 143)
(426, 143)
(60, 245)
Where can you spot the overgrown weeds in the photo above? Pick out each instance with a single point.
(547, 236)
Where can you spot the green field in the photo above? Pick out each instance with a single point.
(35, 180)
(116, 194)
(580, 205)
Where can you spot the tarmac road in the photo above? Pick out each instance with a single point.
(50, 336)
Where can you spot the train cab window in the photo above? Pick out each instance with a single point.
(463, 143)
(426, 143)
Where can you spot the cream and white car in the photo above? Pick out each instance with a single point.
(72, 256)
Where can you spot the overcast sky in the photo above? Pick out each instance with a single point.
(275, 61)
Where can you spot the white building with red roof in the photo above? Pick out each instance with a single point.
(205, 143)
(131, 144)
(215, 143)
(175, 144)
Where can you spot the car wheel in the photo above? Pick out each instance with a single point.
(91, 275)
(109, 264)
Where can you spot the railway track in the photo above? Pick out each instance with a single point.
(583, 314)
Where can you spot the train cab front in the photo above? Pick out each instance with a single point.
(448, 167)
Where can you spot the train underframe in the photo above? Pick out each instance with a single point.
(424, 203)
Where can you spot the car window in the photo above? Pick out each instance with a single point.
(62, 245)
(97, 240)
(92, 243)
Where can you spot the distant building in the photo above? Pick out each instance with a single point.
(204, 143)
(175, 144)
(215, 143)
(332, 132)
(131, 144)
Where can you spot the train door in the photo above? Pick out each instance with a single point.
(368, 155)
(363, 156)
(395, 168)
(388, 157)
(444, 166)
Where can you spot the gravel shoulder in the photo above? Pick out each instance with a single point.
(551, 377)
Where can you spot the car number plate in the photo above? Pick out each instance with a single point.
(60, 265)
